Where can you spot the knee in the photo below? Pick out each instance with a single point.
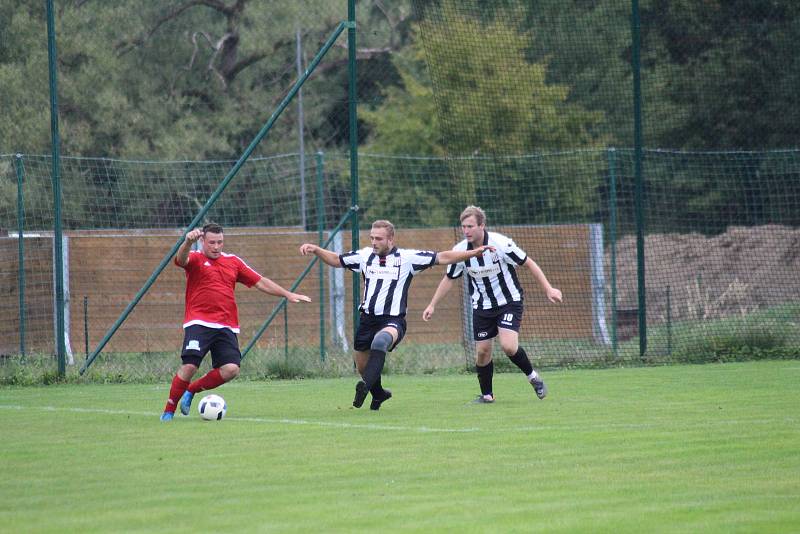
(382, 341)
(483, 356)
(229, 371)
(509, 349)
(187, 371)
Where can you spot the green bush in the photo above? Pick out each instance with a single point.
(766, 335)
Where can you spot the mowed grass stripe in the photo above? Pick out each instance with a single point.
(536, 428)
(697, 448)
(239, 419)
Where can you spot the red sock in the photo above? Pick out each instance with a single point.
(177, 388)
(211, 380)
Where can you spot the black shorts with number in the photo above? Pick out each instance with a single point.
(222, 342)
(369, 325)
(486, 322)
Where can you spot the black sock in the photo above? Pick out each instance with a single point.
(377, 388)
(372, 372)
(485, 377)
(520, 359)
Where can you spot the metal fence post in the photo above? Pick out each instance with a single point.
(57, 231)
(639, 196)
(20, 168)
(321, 239)
(612, 238)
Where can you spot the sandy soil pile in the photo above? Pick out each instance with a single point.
(742, 270)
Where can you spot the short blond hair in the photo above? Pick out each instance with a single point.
(382, 223)
(474, 211)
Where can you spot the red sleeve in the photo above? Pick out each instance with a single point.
(247, 275)
(191, 259)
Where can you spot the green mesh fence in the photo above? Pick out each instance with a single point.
(514, 106)
(121, 218)
(721, 253)
(718, 266)
(512, 78)
(719, 280)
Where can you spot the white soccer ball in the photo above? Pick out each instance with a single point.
(212, 407)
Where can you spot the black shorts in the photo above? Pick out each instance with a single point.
(369, 325)
(222, 342)
(486, 322)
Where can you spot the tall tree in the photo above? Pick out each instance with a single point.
(185, 79)
(729, 67)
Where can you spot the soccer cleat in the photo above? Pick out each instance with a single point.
(186, 402)
(539, 387)
(376, 402)
(361, 394)
(167, 416)
(484, 399)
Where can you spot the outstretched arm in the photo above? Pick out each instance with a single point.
(182, 256)
(330, 258)
(441, 290)
(553, 294)
(446, 257)
(271, 288)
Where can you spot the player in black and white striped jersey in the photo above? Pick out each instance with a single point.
(387, 272)
(496, 298)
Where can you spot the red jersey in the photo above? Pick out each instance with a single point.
(210, 299)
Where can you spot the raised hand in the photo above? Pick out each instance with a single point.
(194, 235)
(307, 248)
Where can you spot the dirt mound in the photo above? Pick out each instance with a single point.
(740, 271)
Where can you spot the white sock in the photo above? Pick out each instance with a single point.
(532, 375)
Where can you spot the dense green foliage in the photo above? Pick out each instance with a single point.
(195, 80)
(184, 80)
(175, 80)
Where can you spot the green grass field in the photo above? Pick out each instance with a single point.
(711, 448)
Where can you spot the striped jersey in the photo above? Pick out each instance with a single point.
(493, 278)
(387, 278)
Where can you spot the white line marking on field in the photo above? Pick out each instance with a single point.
(328, 424)
(354, 425)
(667, 426)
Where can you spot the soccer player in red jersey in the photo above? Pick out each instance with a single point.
(211, 319)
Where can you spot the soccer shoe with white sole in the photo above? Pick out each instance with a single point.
(167, 416)
(484, 399)
(186, 402)
(361, 394)
(539, 387)
(376, 402)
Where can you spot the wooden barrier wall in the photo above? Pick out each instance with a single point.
(38, 295)
(109, 268)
